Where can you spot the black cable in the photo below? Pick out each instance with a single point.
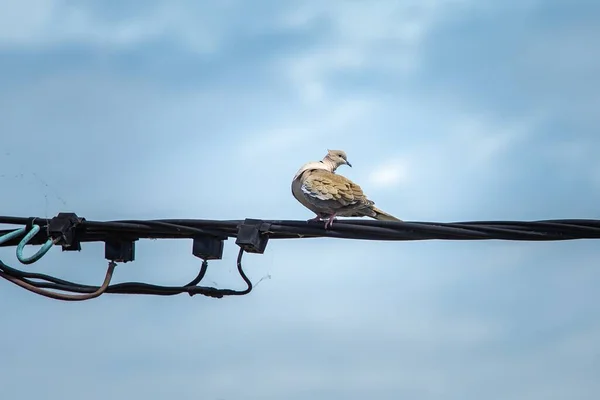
(35, 287)
(209, 234)
(91, 231)
(25, 280)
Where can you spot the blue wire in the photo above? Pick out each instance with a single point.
(29, 260)
(12, 235)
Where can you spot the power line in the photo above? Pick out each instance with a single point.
(252, 235)
(98, 231)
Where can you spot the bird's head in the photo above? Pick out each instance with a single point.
(337, 158)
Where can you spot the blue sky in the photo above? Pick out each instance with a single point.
(448, 110)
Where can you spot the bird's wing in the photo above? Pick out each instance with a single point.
(331, 192)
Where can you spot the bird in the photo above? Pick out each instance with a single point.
(317, 187)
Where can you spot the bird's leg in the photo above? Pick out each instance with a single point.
(329, 222)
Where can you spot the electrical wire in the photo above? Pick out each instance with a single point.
(35, 288)
(544, 230)
(46, 285)
(69, 231)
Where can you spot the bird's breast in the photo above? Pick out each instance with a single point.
(299, 195)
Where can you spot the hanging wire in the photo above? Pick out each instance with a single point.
(36, 288)
(39, 254)
(47, 285)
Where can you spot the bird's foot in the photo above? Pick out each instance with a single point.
(329, 221)
(315, 219)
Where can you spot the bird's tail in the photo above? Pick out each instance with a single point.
(383, 216)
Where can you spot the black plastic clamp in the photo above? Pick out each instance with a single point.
(119, 249)
(63, 229)
(252, 235)
(208, 247)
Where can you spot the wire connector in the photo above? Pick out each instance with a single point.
(119, 250)
(207, 247)
(252, 236)
(62, 229)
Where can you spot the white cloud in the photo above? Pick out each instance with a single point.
(24, 20)
(328, 125)
(42, 22)
(485, 139)
(312, 92)
(381, 35)
(389, 174)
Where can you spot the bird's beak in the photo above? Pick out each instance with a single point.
(348, 164)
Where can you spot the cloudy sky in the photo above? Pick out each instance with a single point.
(448, 110)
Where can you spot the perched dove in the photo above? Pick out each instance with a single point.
(317, 187)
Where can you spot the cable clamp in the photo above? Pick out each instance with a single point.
(252, 235)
